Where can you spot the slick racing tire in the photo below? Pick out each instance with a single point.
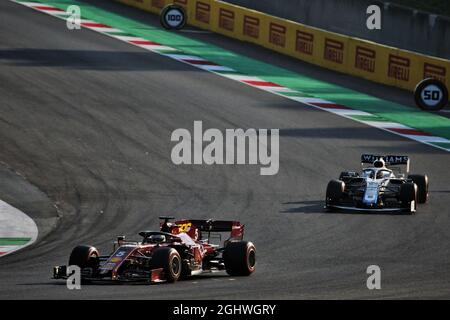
(422, 186)
(408, 194)
(335, 189)
(169, 260)
(240, 258)
(84, 257)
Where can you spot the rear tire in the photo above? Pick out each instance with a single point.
(84, 257)
(335, 189)
(408, 194)
(422, 186)
(169, 260)
(240, 258)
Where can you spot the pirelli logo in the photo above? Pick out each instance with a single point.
(334, 51)
(434, 71)
(251, 27)
(226, 19)
(202, 12)
(277, 34)
(304, 42)
(158, 4)
(398, 67)
(365, 59)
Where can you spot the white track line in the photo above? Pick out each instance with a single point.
(15, 224)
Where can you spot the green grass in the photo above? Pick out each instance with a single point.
(308, 87)
(13, 241)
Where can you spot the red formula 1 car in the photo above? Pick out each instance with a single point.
(180, 249)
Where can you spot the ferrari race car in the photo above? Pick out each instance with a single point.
(381, 186)
(178, 250)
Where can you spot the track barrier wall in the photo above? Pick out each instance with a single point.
(357, 57)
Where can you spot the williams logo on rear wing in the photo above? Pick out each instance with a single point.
(390, 160)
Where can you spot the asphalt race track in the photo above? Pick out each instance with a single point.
(87, 120)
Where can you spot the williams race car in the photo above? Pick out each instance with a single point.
(381, 186)
(178, 250)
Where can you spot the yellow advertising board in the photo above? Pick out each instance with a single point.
(357, 57)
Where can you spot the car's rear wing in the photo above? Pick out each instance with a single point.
(390, 160)
(216, 225)
(235, 228)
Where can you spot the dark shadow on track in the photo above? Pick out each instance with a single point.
(317, 207)
(85, 60)
(98, 144)
(306, 207)
(62, 282)
(254, 51)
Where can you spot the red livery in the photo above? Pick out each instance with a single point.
(178, 250)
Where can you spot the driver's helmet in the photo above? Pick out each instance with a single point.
(383, 174)
(380, 174)
(156, 238)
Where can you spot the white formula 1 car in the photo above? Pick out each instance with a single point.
(381, 186)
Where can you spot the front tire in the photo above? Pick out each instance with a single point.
(84, 257)
(408, 197)
(422, 186)
(169, 260)
(335, 190)
(240, 258)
